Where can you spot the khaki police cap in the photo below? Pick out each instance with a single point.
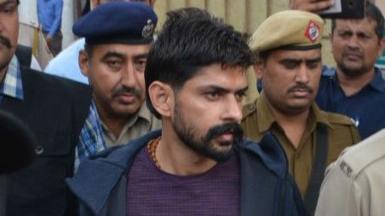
(291, 29)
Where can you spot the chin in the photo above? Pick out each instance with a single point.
(124, 113)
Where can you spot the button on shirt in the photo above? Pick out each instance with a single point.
(365, 107)
(258, 120)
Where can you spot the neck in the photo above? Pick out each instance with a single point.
(353, 84)
(114, 125)
(176, 158)
(293, 125)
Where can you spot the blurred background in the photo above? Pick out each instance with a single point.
(244, 15)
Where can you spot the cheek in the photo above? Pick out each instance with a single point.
(315, 79)
(141, 82)
(104, 82)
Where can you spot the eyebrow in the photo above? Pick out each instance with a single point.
(140, 56)
(112, 54)
(299, 60)
(225, 90)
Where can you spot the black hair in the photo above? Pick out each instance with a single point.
(89, 48)
(191, 38)
(374, 13)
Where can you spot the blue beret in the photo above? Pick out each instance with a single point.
(117, 22)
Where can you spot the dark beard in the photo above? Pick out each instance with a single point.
(202, 145)
(352, 72)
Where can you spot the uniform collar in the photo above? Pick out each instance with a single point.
(12, 85)
(143, 114)
(266, 118)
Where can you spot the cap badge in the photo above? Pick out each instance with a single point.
(148, 29)
(312, 31)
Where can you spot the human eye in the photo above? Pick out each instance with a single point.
(114, 63)
(290, 64)
(140, 64)
(363, 36)
(239, 96)
(9, 8)
(313, 64)
(213, 95)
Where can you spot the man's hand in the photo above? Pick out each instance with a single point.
(311, 5)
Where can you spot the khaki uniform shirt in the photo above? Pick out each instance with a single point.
(137, 126)
(355, 184)
(258, 120)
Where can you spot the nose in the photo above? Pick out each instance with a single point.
(302, 74)
(353, 42)
(129, 77)
(233, 110)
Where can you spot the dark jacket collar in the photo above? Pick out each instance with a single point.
(97, 176)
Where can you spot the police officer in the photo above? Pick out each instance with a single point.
(288, 45)
(114, 59)
(354, 184)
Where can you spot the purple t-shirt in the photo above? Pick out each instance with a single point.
(151, 191)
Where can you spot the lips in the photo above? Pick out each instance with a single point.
(300, 92)
(126, 98)
(225, 138)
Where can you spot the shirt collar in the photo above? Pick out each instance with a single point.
(266, 118)
(12, 85)
(143, 113)
(378, 81)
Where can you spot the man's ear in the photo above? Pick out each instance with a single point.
(162, 98)
(83, 61)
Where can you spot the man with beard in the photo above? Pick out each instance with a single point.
(114, 60)
(54, 109)
(198, 164)
(356, 88)
(290, 66)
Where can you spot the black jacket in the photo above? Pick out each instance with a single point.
(266, 187)
(54, 109)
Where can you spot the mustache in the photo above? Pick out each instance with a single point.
(302, 87)
(352, 51)
(127, 90)
(232, 127)
(5, 41)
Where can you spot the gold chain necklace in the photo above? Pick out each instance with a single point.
(151, 148)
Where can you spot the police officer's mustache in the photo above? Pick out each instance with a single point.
(126, 90)
(301, 87)
(5, 41)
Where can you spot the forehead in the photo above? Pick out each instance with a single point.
(295, 54)
(123, 49)
(366, 25)
(216, 75)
